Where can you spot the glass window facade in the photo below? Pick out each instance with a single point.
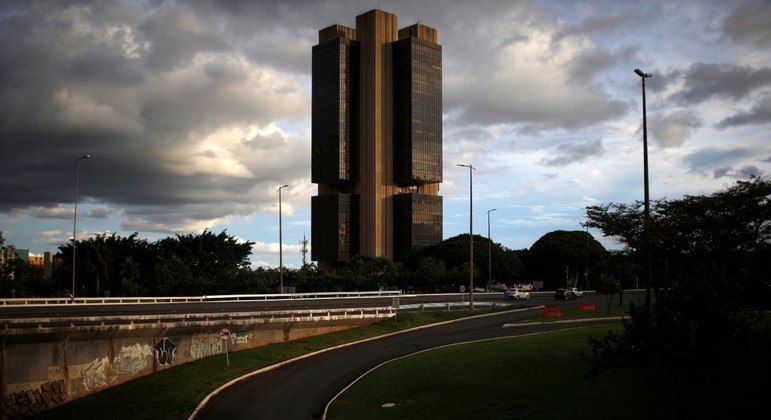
(334, 227)
(334, 128)
(417, 222)
(417, 111)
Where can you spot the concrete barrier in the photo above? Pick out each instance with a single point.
(45, 363)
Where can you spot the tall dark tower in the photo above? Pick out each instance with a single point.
(376, 140)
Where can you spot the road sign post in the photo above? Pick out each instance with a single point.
(225, 336)
(462, 289)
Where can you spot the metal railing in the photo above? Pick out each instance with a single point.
(185, 299)
(46, 325)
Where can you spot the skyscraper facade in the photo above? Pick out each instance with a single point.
(376, 139)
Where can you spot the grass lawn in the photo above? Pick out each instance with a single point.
(537, 376)
(543, 376)
(600, 311)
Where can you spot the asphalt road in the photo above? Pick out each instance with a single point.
(301, 389)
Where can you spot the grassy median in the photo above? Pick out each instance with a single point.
(544, 376)
(541, 376)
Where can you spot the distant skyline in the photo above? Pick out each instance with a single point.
(195, 113)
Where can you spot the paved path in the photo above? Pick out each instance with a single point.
(301, 389)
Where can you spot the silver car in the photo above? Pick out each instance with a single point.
(516, 293)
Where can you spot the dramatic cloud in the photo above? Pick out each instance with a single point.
(706, 81)
(758, 114)
(171, 117)
(525, 74)
(749, 23)
(719, 159)
(568, 153)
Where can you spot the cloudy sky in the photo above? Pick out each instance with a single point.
(196, 111)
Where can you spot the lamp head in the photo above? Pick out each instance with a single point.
(643, 75)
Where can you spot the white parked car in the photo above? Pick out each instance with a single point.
(577, 291)
(516, 293)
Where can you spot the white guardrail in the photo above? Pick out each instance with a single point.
(183, 320)
(184, 299)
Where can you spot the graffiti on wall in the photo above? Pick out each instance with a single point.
(56, 372)
(95, 374)
(30, 402)
(241, 338)
(132, 359)
(205, 344)
(166, 352)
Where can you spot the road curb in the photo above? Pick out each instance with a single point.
(566, 321)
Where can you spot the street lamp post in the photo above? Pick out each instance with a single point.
(489, 251)
(280, 244)
(647, 209)
(75, 220)
(471, 170)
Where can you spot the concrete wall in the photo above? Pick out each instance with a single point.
(41, 369)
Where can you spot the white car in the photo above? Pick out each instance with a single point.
(577, 292)
(516, 293)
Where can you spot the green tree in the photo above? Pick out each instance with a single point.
(454, 254)
(428, 275)
(108, 264)
(213, 260)
(562, 258)
(364, 273)
(712, 254)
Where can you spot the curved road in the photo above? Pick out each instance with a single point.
(301, 389)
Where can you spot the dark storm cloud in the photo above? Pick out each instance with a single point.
(608, 22)
(704, 81)
(102, 65)
(710, 158)
(760, 113)
(150, 93)
(174, 35)
(568, 153)
(749, 23)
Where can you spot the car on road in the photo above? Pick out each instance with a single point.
(564, 294)
(516, 293)
(576, 291)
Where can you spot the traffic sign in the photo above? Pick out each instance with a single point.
(224, 334)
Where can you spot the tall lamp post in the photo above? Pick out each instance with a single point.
(489, 251)
(471, 170)
(647, 210)
(280, 244)
(75, 220)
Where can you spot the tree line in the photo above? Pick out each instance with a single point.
(217, 263)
